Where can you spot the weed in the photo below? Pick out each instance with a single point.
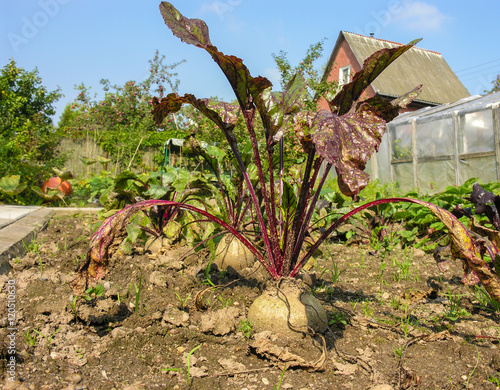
(398, 351)
(404, 267)
(138, 292)
(395, 303)
(41, 264)
(246, 328)
(94, 292)
(224, 302)
(182, 302)
(33, 246)
(495, 379)
(383, 266)
(281, 378)
(30, 338)
(484, 299)
(367, 310)
(337, 319)
(334, 271)
(74, 307)
(188, 366)
(454, 311)
(49, 338)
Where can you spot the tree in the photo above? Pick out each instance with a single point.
(28, 140)
(318, 86)
(121, 123)
(496, 85)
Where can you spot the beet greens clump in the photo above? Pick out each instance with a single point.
(343, 137)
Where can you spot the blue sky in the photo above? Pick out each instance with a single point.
(82, 41)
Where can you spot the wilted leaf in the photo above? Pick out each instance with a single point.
(486, 203)
(348, 142)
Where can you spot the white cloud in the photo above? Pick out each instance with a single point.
(421, 16)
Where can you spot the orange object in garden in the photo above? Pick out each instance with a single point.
(56, 183)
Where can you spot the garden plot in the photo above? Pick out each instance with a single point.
(394, 320)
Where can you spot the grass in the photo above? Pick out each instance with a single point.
(48, 338)
(182, 301)
(188, 366)
(138, 288)
(454, 311)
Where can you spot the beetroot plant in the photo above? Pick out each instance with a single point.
(344, 137)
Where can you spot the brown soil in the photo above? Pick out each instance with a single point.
(391, 327)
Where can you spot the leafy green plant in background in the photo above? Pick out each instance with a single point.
(120, 122)
(28, 139)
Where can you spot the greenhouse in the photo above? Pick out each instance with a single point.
(435, 147)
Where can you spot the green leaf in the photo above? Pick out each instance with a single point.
(11, 185)
(51, 196)
(156, 191)
(289, 199)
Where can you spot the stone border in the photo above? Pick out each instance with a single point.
(16, 236)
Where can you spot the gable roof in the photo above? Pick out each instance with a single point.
(416, 66)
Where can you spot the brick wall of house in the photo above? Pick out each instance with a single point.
(345, 57)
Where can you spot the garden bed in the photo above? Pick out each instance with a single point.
(394, 321)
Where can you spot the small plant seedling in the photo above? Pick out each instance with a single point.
(74, 307)
(246, 328)
(334, 271)
(30, 337)
(337, 319)
(41, 264)
(49, 339)
(281, 379)
(484, 299)
(94, 292)
(182, 302)
(454, 311)
(398, 351)
(188, 366)
(138, 289)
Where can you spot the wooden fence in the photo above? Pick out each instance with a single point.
(84, 158)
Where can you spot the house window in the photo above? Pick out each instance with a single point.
(345, 75)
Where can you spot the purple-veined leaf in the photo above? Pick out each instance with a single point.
(348, 142)
(229, 113)
(372, 68)
(274, 106)
(195, 32)
(191, 31)
(167, 105)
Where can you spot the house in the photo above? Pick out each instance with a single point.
(416, 66)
